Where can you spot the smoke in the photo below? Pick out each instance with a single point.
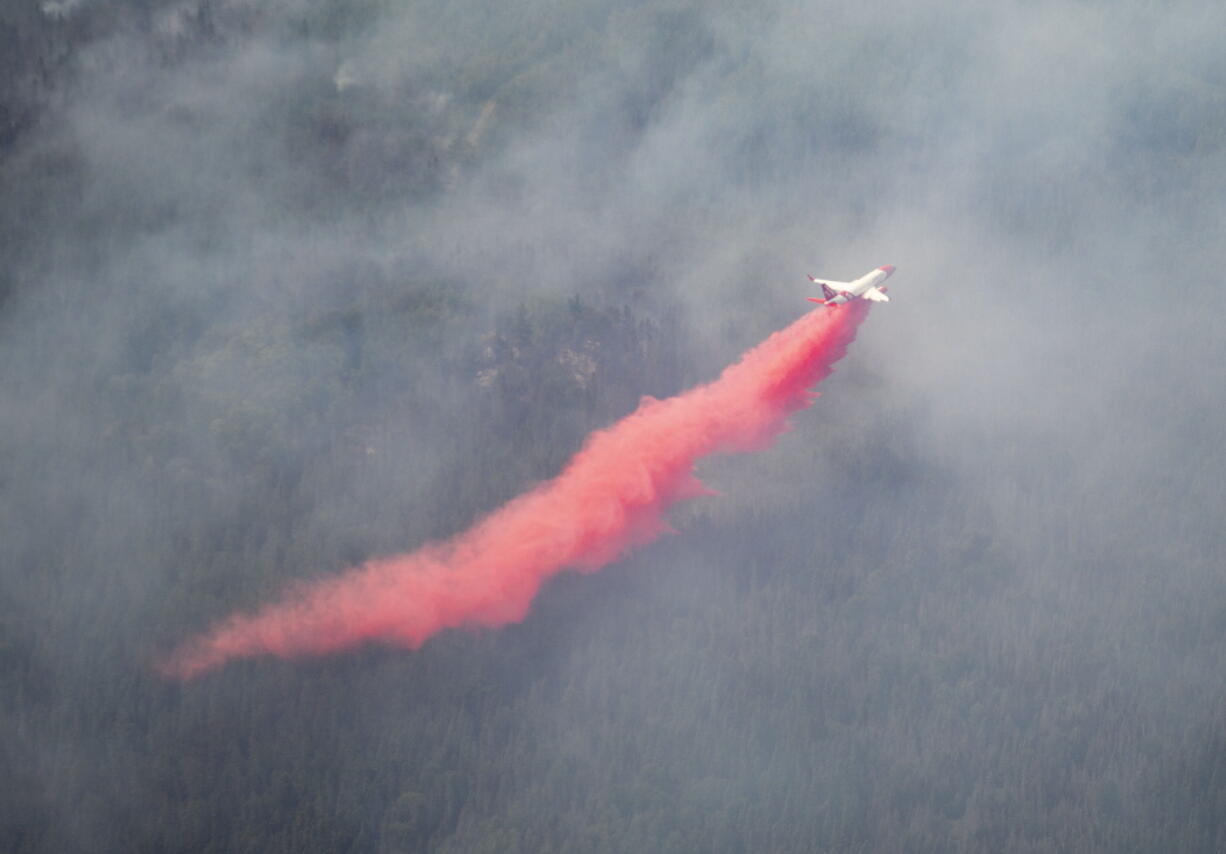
(609, 498)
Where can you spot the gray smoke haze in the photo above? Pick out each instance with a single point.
(215, 213)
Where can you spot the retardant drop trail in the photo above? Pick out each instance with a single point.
(610, 497)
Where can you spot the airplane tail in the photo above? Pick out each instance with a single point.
(825, 290)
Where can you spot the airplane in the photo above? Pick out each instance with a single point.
(869, 286)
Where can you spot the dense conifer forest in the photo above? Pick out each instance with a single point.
(289, 285)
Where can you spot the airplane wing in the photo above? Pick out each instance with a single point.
(838, 286)
(831, 289)
(876, 295)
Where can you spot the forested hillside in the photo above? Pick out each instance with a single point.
(289, 285)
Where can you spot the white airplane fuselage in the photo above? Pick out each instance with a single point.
(870, 286)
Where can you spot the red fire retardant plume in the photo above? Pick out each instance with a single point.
(610, 497)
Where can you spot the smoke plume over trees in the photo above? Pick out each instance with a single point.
(286, 286)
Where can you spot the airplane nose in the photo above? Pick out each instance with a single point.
(888, 269)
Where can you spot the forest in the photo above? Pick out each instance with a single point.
(287, 286)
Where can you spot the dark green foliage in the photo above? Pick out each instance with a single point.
(780, 677)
